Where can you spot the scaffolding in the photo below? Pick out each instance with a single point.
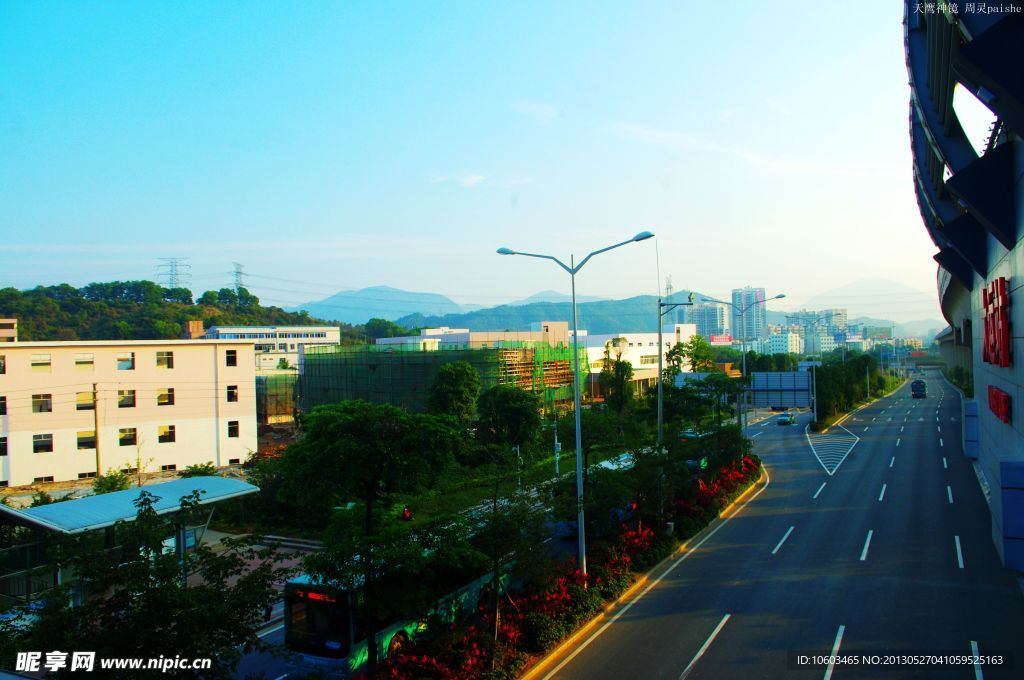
(275, 398)
(401, 375)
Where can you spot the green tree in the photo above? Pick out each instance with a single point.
(114, 480)
(454, 392)
(366, 453)
(616, 378)
(382, 328)
(137, 600)
(699, 354)
(208, 298)
(507, 415)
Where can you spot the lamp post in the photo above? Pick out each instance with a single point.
(663, 309)
(743, 341)
(572, 268)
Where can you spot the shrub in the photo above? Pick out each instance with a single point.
(114, 480)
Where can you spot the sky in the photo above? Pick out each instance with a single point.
(340, 145)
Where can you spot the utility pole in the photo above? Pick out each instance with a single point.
(663, 309)
(174, 272)
(867, 380)
(96, 426)
(238, 273)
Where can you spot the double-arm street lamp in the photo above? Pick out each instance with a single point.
(572, 268)
(663, 309)
(742, 311)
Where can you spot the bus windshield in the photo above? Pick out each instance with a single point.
(317, 619)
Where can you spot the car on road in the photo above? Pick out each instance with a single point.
(786, 419)
(918, 389)
(687, 435)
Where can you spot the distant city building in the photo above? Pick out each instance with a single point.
(820, 343)
(639, 349)
(710, 318)
(834, 320)
(787, 343)
(71, 409)
(272, 344)
(752, 323)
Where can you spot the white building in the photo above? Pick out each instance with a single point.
(639, 349)
(784, 343)
(819, 343)
(753, 322)
(70, 409)
(272, 344)
(554, 333)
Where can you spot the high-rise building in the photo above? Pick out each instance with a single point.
(752, 323)
(711, 318)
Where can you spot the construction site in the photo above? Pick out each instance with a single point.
(401, 375)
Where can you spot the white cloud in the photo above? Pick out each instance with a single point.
(779, 165)
(471, 180)
(541, 112)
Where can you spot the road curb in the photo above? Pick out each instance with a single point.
(664, 566)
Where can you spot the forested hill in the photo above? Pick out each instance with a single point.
(132, 310)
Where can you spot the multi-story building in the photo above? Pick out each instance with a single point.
(819, 343)
(784, 343)
(752, 323)
(71, 409)
(554, 333)
(834, 320)
(969, 192)
(710, 318)
(639, 349)
(276, 347)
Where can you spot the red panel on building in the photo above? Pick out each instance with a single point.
(999, 403)
(995, 301)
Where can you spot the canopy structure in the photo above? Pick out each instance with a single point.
(105, 510)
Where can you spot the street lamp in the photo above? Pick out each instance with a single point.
(743, 340)
(572, 268)
(663, 309)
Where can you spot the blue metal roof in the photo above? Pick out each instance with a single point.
(98, 512)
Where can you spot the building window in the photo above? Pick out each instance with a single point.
(86, 439)
(234, 461)
(85, 401)
(649, 359)
(129, 470)
(3, 483)
(3, 446)
(165, 396)
(42, 443)
(84, 362)
(283, 346)
(232, 428)
(126, 398)
(126, 436)
(43, 479)
(231, 357)
(126, 361)
(165, 434)
(42, 403)
(168, 468)
(3, 364)
(86, 475)
(232, 392)
(3, 406)
(40, 363)
(165, 359)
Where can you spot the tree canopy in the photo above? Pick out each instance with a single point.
(454, 391)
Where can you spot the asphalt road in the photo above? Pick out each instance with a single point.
(890, 555)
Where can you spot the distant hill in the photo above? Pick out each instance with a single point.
(878, 298)
(638, 314)
(381, 302)
(132, 310)
(553, 296)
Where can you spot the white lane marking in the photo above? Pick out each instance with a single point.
(831, 449)
(816, 493)
(891, 461)
(944, 467)
(835, 652)
(949, 493)
(704, 647)
(281, 677)
(897, 441)
(938, 427)
(940, 441)
(904, 419)
(882, 495)
(278, 627)
(872, 420)
(936, 419)
(753, 437)
(866, 429)
(652, 584)
(977, 668)
(867, 543)
(783, 540)
(901, 428)
(889, 419)
(959, 553)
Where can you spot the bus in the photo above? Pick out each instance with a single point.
(323, 630)
(918, 389)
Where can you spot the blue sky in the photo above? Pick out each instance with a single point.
(346, 144)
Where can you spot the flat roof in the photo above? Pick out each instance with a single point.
(99, 512)
(123, 343)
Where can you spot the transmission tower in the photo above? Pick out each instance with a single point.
(239, 284)
(174, 272)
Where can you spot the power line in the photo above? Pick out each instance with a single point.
(174, 272)
(238, 277)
